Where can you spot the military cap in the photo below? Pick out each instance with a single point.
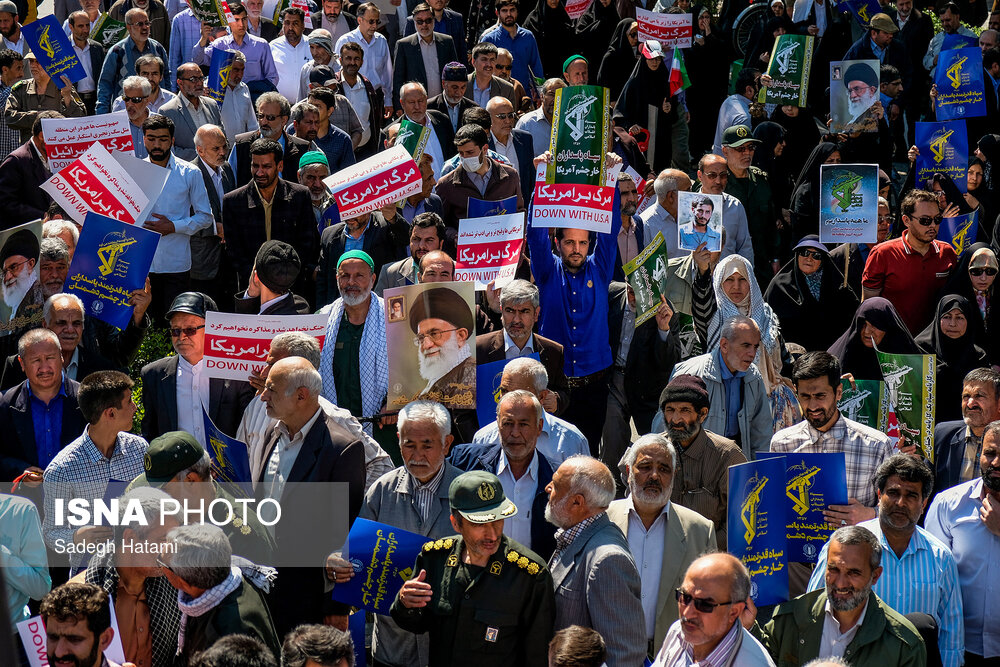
(478, 496)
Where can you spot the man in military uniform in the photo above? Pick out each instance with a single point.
(483, 598)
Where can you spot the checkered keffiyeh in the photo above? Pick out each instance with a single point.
(565, 537)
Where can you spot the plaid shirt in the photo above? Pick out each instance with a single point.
(864, 448)
(9, 138)
(565, 537)
(970, 460)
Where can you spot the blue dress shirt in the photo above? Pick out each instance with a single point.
(733, 384)
(47, 423)
(527, 60)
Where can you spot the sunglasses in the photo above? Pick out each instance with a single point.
(810, 254)
(141, 24)
(701, 604)
(270, 118)
(134, 100)
(988, 270)
(502, 68)
(191, 79)
(927, 221)
(187, 331)
(423, 21)
(505, 116)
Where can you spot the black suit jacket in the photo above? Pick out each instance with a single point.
(490, 348)
(949, 450)
(228, 185)
(408, 64)
(19, 449)
(21, 198)
(294, 305)
(89, 362)
(437, 103)
(226, 402)
(385, 244)
(206, 246)
(97, 54)
(650, 360)
(525, 167)
(294, 149)
(317, 20)
(292, 221)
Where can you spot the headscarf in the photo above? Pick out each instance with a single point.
(810, 170)
(770, 135)
(951, 192)
(595, 30)
(554, 33)
(860, 360)
(619, 60)
(753, 306)
(802, 134)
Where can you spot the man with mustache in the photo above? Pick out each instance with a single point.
(443, 323)
(78, 630)
(664, 537)
(966, 518)
(22, 293)
(920, 578)
(426, 234)
(959, 444)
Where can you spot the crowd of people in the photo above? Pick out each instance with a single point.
(586, 524)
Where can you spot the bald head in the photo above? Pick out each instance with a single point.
(713, 173)
(722, 581)
(291, 392)
(436, 266)
(210, 143)
(723, 567)
(666, 186)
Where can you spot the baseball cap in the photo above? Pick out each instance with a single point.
(652, 49)
(169, 454)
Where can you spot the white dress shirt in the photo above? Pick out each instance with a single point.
(512, 351)
(429, 53)
(377, 66)
(834, 642)
(86, 84)
(192, 388)
(522, 493)
(358, 97)
(507, 150)
(647, 547)
(282, 459)
(200, 116)
(288, 60)
(238, 115)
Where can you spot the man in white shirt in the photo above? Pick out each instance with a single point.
(10, 29)
(238, 112)
(290, 52)
(86, 87)
(377, 64)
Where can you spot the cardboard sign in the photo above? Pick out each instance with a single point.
(66, 139)
(489, 249)
(848, 210)
(236, 346)
(669, 30)
(384, 178)
(54, 50)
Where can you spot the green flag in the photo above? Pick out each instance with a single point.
(910, 381)
(208, 11)
(791, 59)
(687, 334)
(867, 403)
(647, 274)
(413, 137)
(107, 31)
(579, 135)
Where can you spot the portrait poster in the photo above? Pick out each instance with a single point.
(107, 31)
(482, 208)
(756, 520)
(382, 557)
(230, 458)
(647, 275)
(791, 62)
(218, 74)
(669, 30)
(54, 50)
(579, 137)
(960, 231)
(848, 207)
(854, 90)
(699, 220)
(944, 147)
(867, 402)
(236, 346)
(21, 291)
(66, 139)
(960, 87)
(489, 249)
(910, 381)
(488, 378)
(431, 335)
(112, 260)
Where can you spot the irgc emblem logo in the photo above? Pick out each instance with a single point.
(784, 58)
(577, 112)
(110, 252)
(845, 191)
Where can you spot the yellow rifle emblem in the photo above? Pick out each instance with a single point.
(954, 72)
(800, 485)
(108, 254)
(937, 146)
(958, 238)
(748, 510)
(45, 43)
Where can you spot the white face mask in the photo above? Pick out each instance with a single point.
(472, 164)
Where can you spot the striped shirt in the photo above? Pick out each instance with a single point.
(864, 448)
(678, 653)
(923, 580)
(425, 495)
(9, 139)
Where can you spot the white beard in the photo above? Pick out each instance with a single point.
(12, 295)
(356, 301)
(856, 109)
(450, 355)
(650, 498)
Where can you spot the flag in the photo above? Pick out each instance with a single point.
(679, 79)
(892, 427)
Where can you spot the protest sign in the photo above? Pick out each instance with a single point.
(218, 74)
(577, 8)
(640, 189)
(669, 30)
(910, 380)
(699, 220)
(577, 206)
(854, 90)
(791, 61)
(812, 482)
(66, 139)
(430, 332)
(21, 302)
(488, 249)
(112, 259)
(481, 208)
(33, 638)
(960, 231)
(647, 274)
(959, 80)
(848, 208)
(382, 557)
(272, 11)
(687, 336)
(53, 49)
(866, 403)
(237, 345)
(957, 41)
(382, 179)
(118, 186)
(107, 31)
(208, 11)
(579, 135)
(413, 137)
(756, 519)
(863, 11)
(230, 457)
(944, 147)
(488, 378)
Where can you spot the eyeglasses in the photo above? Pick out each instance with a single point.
(978, 271)
(745, 148)
(133, 100)
(423, 21)
(269, 117)
(885, 218)
(810, 254)
(191, 79)
(368, 21)
(13, 268)
(701, 604)
(436, 336)
(927, 221)
(141, 24)
(505, 116)
(502, 68)
(713, 175)
(163, 565)
(187, 331)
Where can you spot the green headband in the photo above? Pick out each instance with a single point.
(572, 59)
(357, 254)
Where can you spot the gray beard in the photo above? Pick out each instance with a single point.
(356, 300)
(12, 296)
(861, 106)
(434, 368)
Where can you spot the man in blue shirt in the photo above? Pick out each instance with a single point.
(120, 61)
(519, 41)
(579, 282)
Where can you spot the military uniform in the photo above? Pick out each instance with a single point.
(754, 192)
(501, 614)
(26, 101)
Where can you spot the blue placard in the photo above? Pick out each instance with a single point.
(944, 147)
(848, 211)
(112, 260)
(481, 208)
(53, 49)
(356, 626)
(230, 457)
(957, 41)
(863, 10)
(488, 388)
(218, 74)
(756, 527)
(959, 80)
(960, 231)
(382, 557)
(812, 482)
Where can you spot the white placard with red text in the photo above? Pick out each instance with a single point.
(382, 179)
(577, 8)
(66, 139)
(236, 346)
(640, 186)
(574, 206)
(32, 632)
(489, 249)
(669, 30)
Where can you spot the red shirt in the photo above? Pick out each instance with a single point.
(909, 280)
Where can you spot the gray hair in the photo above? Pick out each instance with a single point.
(432, 411)
(656, 440)
(855, 536)
(829, 661)
(665, 183)
(149, 501)
(519, 291)
(271, 97)
(993, 428)
(136, 81)
(553, 83)
(201, 555)
(521, 396)
(53, 249)
(132, 13)
(730, 325)
(201, 468)
(205, 130)
(304, 377)
(591, 479)
(410, 86)
(50, 304)
(34, 337)
(882, 201)
(531, 367)
(301, 109)
(149, 59)
(297, 344)
(309, 167)
(53, 228)
(239, 57)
